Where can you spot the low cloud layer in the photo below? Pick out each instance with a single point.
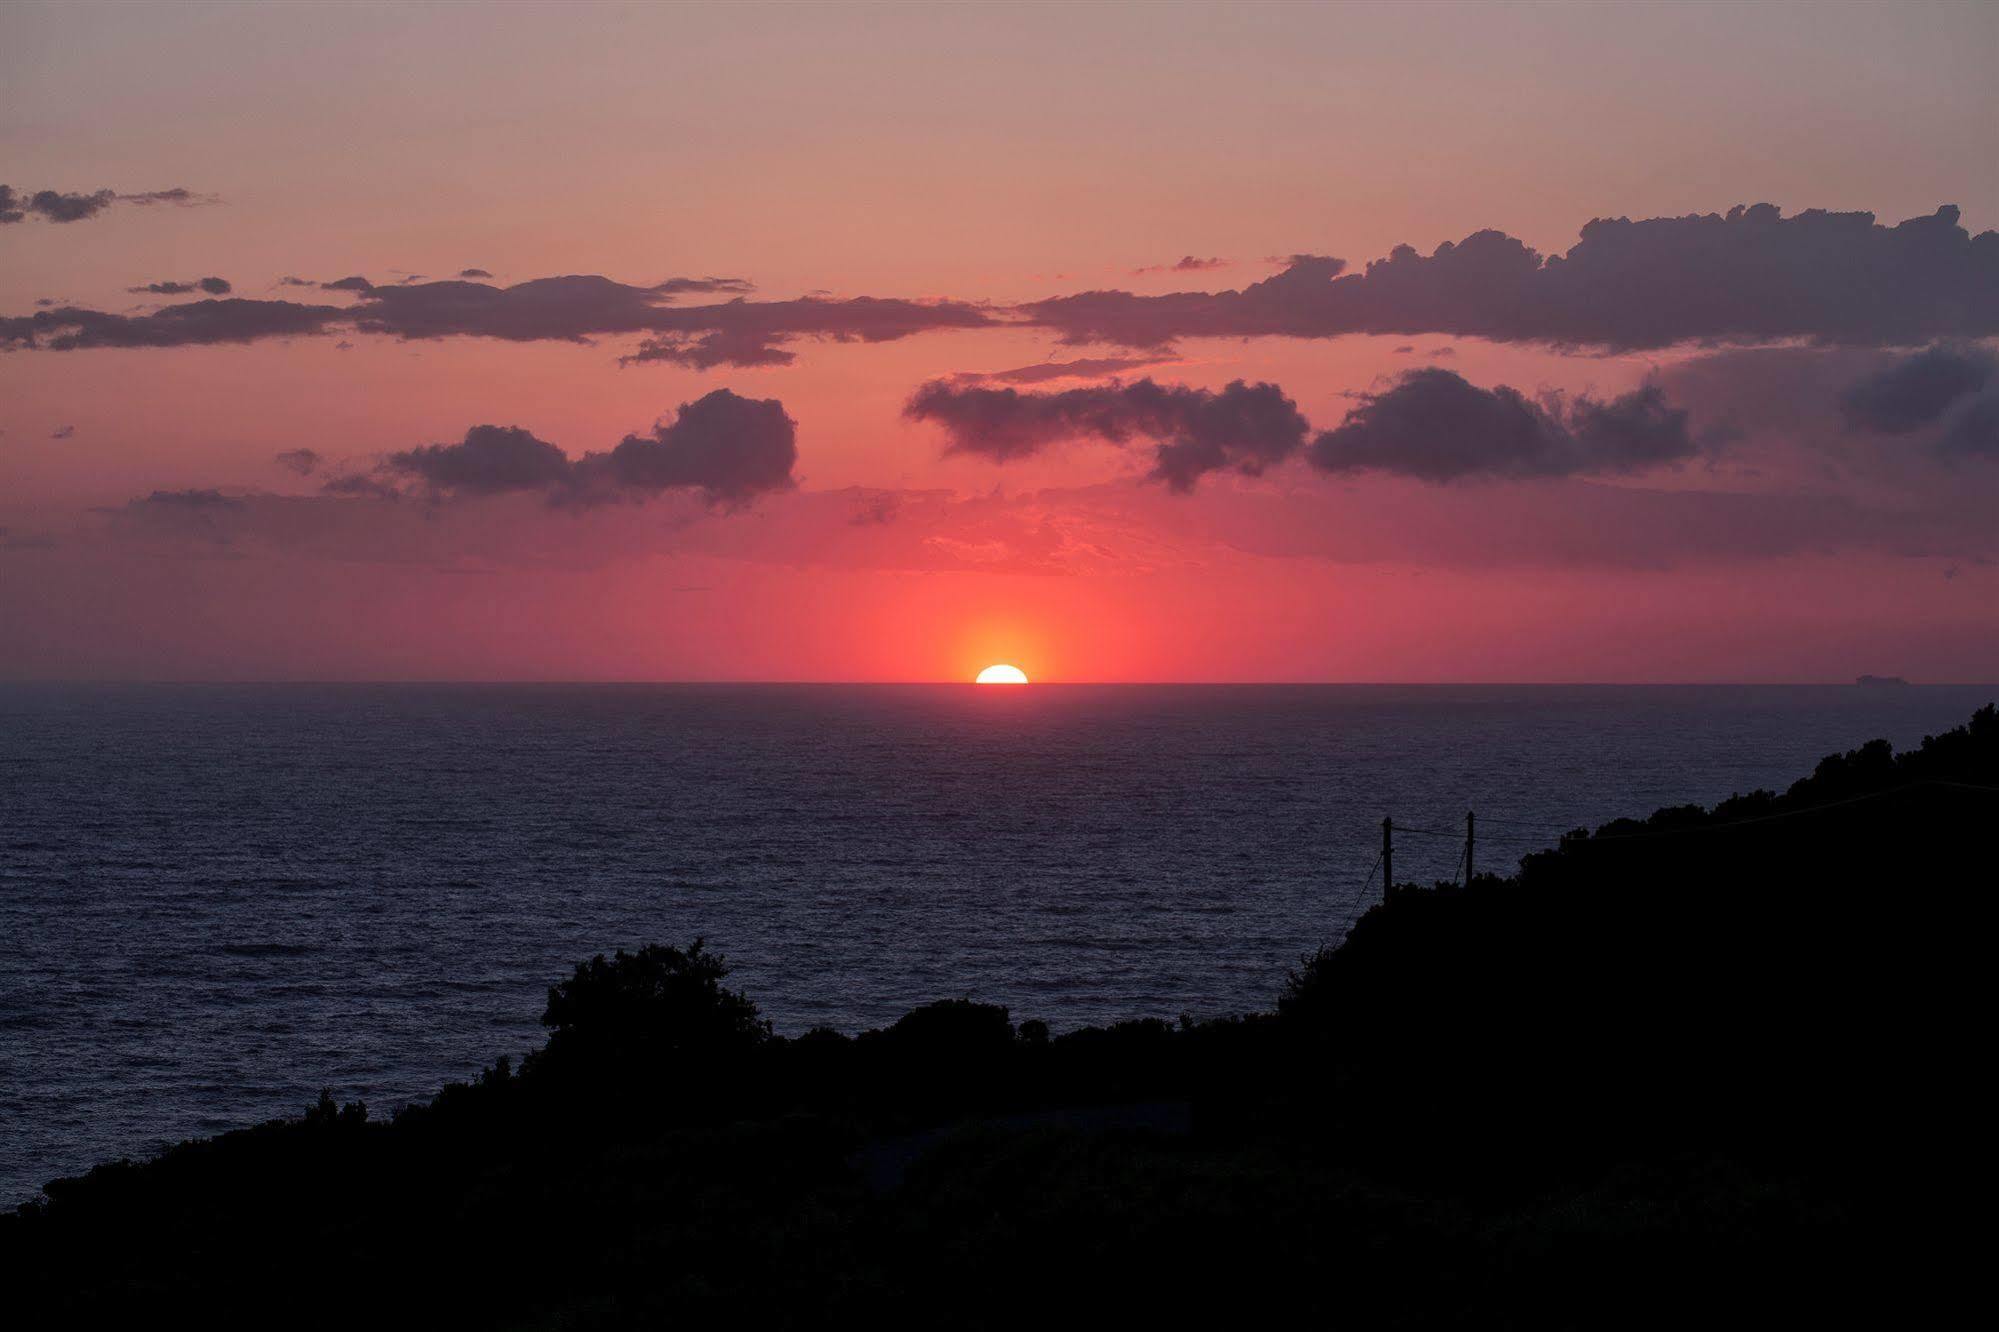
(208, 286)
(1431, 425)
(1563, 524)
(490, 460)
(1751, 275)
(1243, 428)
(1951, 389)
(61, 206)
(751, 333)
(199, 500)
(1434, 425)
(729, 448)
(574, 308)
(199, 323)
(1083, 367)
(1186, 264)
(1973, 430)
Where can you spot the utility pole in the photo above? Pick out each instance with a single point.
(1387, 859)
(1468, 846)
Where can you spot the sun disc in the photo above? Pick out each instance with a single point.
(1003, 675)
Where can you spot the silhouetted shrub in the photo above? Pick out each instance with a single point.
(656, 1004)
(957, 1028)
(1304, 990)
(326, 1112)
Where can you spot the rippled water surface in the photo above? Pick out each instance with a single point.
(216, 900)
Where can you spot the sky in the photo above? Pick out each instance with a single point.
(1242, 342)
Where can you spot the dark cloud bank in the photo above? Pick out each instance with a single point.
(747, 333)
(729, 448)
(1434, 425)
(209, 286)
(58, 206)
(194, 500)
(1187, 263)
(1083, 367)
(198, 323)
(1244, 427)
(1562, 523)
(1863, 412)
(574, 308)
(1952, 389)
(1431, 425)
(1751, 275)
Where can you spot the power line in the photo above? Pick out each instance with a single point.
(1535, 827)
(1360, 903)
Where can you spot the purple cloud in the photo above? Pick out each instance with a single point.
(1084, 367)
(1918, 390)
(1752, 275)
(1244, 427)
(751, 332)
(1435, 426)
(61, 206)
(1185, 264)
(729, 448)
(574, 308)
(1431, 425)
(212, 286)
(202, 323)
(201, 500)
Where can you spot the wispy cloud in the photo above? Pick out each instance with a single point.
(62, 206)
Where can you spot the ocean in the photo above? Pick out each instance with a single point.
(215, 900)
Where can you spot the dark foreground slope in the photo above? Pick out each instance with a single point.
(1715, 1065)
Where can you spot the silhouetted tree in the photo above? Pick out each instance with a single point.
(659, 1003)
(954, 1028)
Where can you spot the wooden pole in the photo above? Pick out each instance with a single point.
(1387, 859)
(1468, 846)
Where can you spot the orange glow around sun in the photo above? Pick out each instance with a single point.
(1002, 675)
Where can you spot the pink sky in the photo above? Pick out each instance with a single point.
(1757, 449)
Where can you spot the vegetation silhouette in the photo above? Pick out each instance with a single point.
(1716, 1063)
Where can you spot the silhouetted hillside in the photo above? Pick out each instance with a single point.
(1714, 1064)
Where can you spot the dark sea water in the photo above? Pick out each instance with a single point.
(215, 900)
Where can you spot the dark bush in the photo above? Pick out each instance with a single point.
(656, 1005)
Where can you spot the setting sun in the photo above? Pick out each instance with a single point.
(1003, 675)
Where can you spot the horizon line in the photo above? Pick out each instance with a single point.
(1849, 682)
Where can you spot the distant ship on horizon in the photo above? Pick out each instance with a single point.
(1867, 680)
